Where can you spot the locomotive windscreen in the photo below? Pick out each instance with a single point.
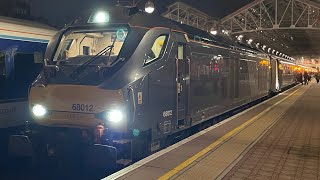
(78, 44)
(85, 54)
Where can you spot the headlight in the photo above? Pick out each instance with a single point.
(99, 17)
(114, 116)
(39, 110)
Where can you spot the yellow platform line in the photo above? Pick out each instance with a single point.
(189, 161)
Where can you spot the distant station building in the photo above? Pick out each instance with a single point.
(15, 8)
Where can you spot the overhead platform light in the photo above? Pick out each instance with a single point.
(240, 37)
(213, 31)
(149, 7)
(264, 47)
(225, 32)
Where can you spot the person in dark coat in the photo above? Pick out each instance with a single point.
(309, 77)
(300, 78)
(305, 77)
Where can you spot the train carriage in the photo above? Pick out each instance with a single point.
(22, 47)
(126, 84)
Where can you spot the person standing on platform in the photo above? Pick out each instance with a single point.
(309, 77)
(306, 77)
(300, 78)
(316, 75)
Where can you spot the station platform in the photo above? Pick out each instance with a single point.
(276, 139)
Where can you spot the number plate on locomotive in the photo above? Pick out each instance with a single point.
(82, 107)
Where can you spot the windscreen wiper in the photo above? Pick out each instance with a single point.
(111, 49)
(79, 69)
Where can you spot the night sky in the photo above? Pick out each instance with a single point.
(60, 12)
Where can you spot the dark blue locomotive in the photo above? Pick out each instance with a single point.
(126, 84)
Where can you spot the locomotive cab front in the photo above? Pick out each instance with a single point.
(93, 81)
(92, 70)
(68, 92)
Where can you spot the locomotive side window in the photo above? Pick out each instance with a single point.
(157, 49)
(180, 51)
(2, 65)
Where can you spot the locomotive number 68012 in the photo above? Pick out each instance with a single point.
(82, 107)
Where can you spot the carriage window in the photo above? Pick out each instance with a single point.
(25, 68)
(2, 65)
(38, 57)
(156, 49)
(243, 66)
(25, 71)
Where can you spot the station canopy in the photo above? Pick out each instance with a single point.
(289, 27)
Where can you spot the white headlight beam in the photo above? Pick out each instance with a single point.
(39, 110)
(114, 116)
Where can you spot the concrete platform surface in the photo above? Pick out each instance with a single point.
(277, 139)
(291, 149)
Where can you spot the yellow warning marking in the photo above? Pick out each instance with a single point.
(186, 163)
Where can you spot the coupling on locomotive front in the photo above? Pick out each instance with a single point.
(140, 78)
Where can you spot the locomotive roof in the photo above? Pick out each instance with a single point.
(134, 17)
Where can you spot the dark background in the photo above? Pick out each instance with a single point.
(60, 12)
